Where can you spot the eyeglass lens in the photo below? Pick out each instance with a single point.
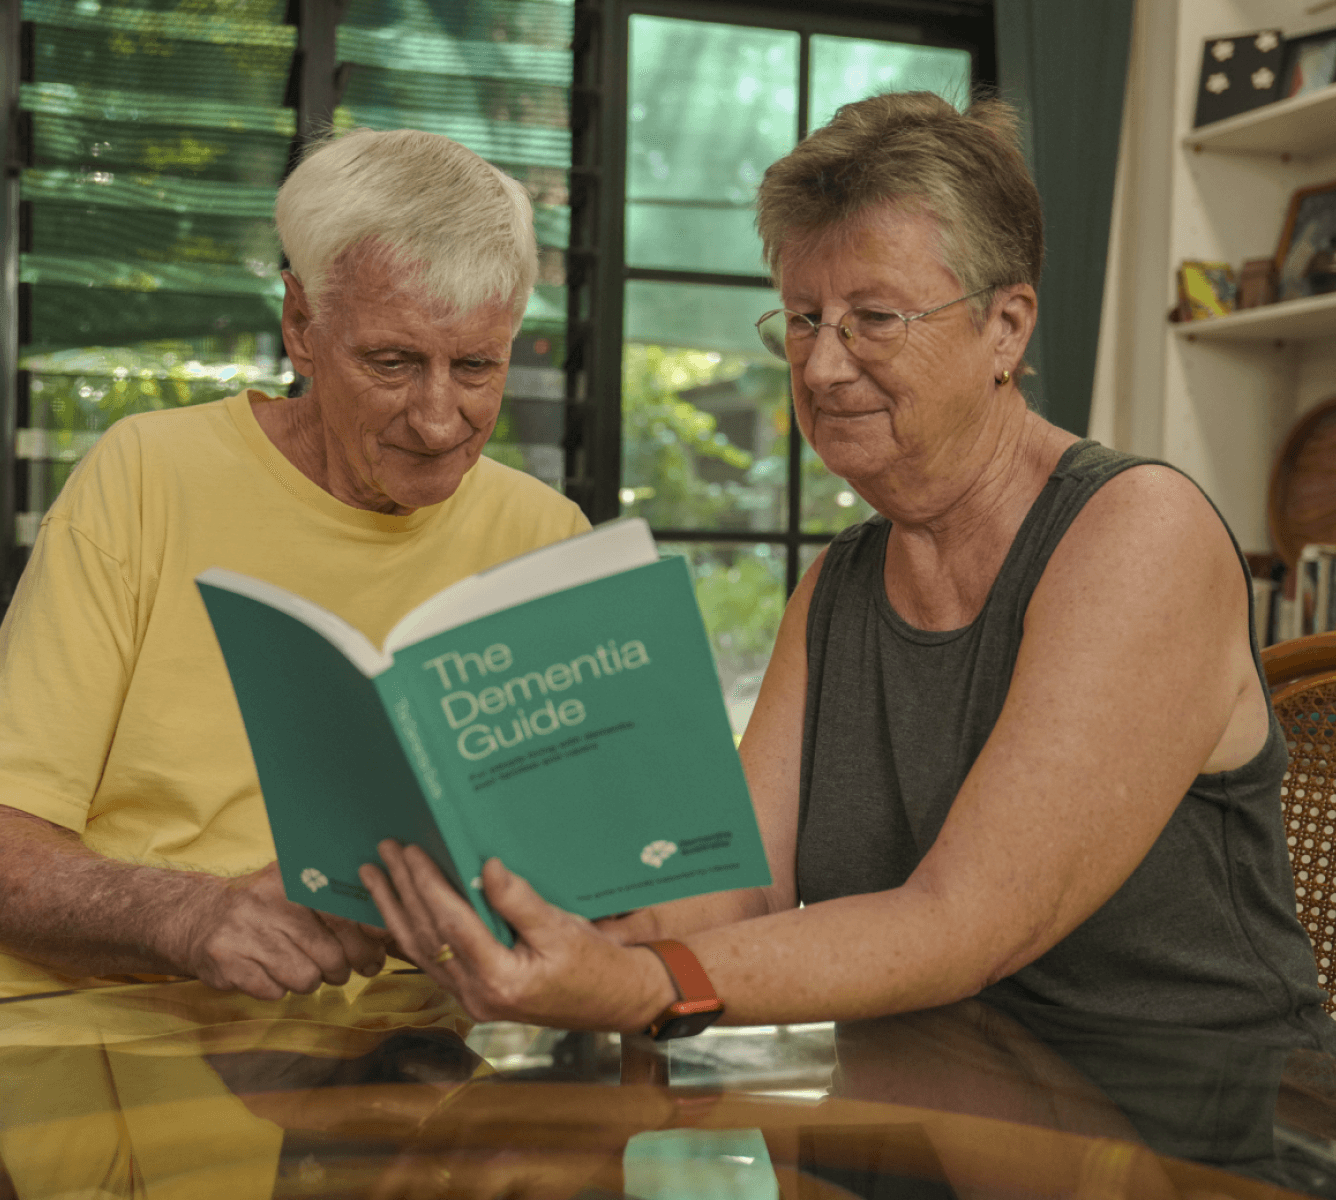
(870, 334)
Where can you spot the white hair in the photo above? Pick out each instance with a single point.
(460, 228)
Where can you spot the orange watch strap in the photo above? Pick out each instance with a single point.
(684, 968)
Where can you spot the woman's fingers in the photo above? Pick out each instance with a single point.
(514, 898)
(453, 917)
(396, 920)
(421, 917)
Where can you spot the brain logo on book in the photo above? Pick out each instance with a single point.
(658, 853)
(314, 879)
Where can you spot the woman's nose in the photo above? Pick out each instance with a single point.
(831, 360)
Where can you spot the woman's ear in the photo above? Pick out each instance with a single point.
(1015, 310)
(297, 322)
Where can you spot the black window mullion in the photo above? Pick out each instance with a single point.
(792, 567)
(722, 279)
(12, 161)
(595, 267)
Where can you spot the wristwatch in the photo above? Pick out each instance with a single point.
(696, 1006)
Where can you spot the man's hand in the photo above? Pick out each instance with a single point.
(81, 914)
(245, 935)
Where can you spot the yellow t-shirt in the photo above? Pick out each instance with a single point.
(117, 718)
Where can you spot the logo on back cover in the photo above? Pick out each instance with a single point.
(314, 879)
(658, 853)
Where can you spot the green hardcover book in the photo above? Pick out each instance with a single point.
(560, 711)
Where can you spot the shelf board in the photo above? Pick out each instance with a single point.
(1304, 320)
(1304, 127)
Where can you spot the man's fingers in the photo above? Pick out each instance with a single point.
(365, 953)
(265, 966)
(243, 975)
(311, 941)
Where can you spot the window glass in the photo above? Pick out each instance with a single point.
(495, 76)
(829, 504)
(740, 589)
(159, 135)
(705, 410)
(709, 107)
(845, 69)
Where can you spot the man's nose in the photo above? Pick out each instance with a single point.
(434, 413)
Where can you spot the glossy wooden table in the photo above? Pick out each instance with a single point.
(174, 1091)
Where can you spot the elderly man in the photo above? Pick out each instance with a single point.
(133, 836)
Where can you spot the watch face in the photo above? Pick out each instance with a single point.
(687, 1024)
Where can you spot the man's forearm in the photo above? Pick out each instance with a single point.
(72, 910)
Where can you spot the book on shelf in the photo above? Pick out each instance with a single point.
(560, 711)
(1264, 598)
(1314, 594)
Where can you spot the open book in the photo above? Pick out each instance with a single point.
(560, 711)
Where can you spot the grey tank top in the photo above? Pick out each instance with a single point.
(1202, 933)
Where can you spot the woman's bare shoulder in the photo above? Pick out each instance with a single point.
(1147, 542)
(1151, 508)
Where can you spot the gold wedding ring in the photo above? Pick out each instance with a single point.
(444, 954)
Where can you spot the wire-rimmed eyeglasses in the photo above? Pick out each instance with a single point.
(872, 334)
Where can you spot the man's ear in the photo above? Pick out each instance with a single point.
(297, 322)
(1015, 311)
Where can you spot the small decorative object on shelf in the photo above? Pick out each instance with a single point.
(1257, 283)
(1309, 228)
(1205, 289)
(1238, 73)
(1310, 64)
(1321, 272)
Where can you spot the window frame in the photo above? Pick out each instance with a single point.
(597, 273)
(13, 154)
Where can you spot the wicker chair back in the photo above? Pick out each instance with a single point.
(1307, 712)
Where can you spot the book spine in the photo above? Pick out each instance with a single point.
(466, 863)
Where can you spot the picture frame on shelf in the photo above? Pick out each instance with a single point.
(1239, 72)
(1257, 283)
(1308, 233)
(1309, 64)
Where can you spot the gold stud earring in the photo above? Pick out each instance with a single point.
(1003, 379)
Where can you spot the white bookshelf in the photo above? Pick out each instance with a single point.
(1304, 127)
(1312, 319)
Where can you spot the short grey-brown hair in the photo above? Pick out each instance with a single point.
(461, 229)
(965, 169)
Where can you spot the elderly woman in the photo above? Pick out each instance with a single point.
(1014, 739)
(133, 837)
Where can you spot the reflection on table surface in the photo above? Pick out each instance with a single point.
(171, 1090)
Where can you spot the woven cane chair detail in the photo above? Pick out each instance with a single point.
(1307, 713)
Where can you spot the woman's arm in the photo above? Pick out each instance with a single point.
(1134, 663)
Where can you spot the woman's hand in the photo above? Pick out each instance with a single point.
(561, 971)
(631, 928)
